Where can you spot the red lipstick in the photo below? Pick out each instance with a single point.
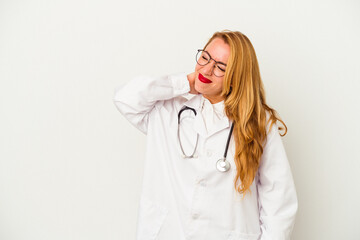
(204, 79)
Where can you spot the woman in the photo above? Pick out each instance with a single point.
(218, 170)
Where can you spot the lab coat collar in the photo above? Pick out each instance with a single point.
(194, 102)
(199, 124)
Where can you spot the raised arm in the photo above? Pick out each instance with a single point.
(137, 98)
(276, 190)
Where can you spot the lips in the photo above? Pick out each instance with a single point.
(204, 79)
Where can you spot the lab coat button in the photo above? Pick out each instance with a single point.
(202, 182)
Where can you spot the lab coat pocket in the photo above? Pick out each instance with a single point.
(150, 219)
(243, 236)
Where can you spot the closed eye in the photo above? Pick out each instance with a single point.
(223, 70)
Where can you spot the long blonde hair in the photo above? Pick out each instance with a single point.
(246, 106)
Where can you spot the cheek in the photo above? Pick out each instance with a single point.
(219, 85)
(197, 67)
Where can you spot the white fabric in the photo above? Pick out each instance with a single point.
(212, 113)
(188, 198)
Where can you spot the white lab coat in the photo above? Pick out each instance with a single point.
(188, 198)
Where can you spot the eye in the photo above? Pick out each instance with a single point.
(223, 70)
(204, 57)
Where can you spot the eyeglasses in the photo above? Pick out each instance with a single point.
(203, 58)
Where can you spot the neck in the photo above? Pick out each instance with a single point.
(213, 99)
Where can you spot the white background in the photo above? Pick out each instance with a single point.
(70, 164)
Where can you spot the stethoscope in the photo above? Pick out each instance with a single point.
(222, 164)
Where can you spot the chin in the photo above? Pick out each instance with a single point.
(198, 88)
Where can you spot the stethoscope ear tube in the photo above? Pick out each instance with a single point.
(178, 134)
(183, 109)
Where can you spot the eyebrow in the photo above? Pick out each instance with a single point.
(214, 59)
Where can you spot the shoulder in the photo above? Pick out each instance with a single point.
(273, 148)
(272, 128)
(171, 105)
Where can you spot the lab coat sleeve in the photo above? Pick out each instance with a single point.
(138, 97)
(276, 190)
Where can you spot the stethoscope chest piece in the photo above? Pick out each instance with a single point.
(223, 165)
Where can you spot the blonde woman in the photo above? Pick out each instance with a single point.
(215, 164)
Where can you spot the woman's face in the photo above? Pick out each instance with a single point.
(211, 86)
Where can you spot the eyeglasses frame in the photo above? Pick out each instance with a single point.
(216, 62)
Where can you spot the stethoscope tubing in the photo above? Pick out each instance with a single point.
(222, 164)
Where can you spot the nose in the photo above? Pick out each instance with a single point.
(209, 68)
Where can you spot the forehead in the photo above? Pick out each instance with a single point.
(219, 50)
